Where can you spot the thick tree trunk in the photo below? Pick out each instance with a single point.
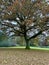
(25, 37)
(27, 44)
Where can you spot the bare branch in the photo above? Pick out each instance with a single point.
(40, 32)
(12, 26)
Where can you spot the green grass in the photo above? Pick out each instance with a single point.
(23, 47)
(39, 48)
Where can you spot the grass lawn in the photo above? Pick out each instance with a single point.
(23, 47)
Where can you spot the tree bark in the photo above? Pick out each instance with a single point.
(25, 37)
(27, 43)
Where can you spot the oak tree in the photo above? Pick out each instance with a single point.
(27, 18)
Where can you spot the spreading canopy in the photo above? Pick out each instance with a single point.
(26, 18)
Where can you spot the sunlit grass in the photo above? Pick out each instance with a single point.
(23, 47)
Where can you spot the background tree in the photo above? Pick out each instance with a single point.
(27, 18)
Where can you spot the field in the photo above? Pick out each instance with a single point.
(15, 56)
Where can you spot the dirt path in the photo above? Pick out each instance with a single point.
(23, 57)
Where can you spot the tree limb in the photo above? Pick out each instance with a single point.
(40, 32)
(11, 26)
